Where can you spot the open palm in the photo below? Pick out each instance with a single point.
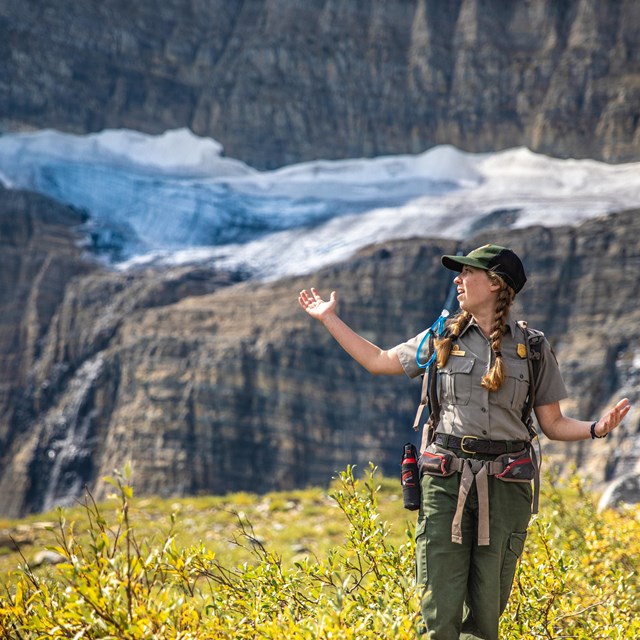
(314, 305)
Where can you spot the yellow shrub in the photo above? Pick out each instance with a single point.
(578, 579)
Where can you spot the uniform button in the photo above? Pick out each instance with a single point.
(484, 410)
(484, 433)
(521, 376)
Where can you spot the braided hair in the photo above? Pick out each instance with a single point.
(494, 377)
(455, 326)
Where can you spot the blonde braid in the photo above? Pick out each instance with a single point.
(493, 379)
(455, 327)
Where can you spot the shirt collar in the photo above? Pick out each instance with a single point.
(510, 324)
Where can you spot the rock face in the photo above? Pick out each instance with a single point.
(39, 257)
(278, 82)
(623, 490)
(209, 384)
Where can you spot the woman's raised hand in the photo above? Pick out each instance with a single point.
(315, 306)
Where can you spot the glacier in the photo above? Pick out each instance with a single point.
(175, 198)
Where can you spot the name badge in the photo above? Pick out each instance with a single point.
(457, 351)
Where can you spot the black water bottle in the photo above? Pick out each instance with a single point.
(410, 478)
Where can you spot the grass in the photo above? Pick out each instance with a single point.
(292, 524)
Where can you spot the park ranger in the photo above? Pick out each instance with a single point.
(476, 458)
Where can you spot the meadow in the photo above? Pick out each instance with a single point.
(333, 563)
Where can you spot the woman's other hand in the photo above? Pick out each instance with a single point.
(612, 418)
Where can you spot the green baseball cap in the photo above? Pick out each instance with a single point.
(491, 257)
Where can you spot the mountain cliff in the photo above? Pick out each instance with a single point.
(207, 383)
(280, 82)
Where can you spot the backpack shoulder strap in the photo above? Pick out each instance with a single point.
(533, 343)
(533, 340)
(429, 398)
(427, 387)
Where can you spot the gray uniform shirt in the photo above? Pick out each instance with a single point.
(467, 408)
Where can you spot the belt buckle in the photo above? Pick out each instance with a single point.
(462, 447)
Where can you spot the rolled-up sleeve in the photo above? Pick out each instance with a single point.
(407, 354)
(550, 386)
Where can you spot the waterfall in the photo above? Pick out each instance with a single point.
(67, 437)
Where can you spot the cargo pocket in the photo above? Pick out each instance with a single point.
(515, 547)
(421, 550)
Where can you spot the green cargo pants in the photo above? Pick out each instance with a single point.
(466, 586)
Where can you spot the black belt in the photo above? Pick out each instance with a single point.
(473, 444)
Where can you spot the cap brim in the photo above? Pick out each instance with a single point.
(455, 263)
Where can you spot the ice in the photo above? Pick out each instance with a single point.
(175, 197)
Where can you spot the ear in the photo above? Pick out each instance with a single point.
(494, 286)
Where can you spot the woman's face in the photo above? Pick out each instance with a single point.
(476, 292)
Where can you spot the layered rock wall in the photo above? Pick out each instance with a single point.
(209, 384)
(279, 82)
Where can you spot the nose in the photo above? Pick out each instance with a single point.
(458, 279)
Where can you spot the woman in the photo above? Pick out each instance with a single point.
(472, 525)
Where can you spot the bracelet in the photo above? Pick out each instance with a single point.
(593, 431)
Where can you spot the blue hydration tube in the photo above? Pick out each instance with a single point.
(436, 329)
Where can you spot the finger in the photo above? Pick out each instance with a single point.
(623, 412)
(304, 298)
(615, 416)
(622, 408)
(306, 295)
(624, 405)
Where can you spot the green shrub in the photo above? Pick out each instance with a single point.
(115, 586)
(578, 577)
(580, 574)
